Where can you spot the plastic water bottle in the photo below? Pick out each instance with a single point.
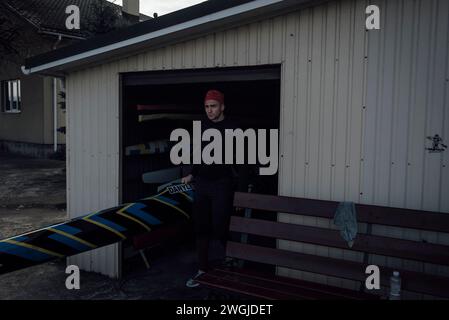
(395, 286)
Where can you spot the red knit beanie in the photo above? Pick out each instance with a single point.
(214, 95)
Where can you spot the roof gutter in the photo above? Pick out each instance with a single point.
(25, 71)
(250, 6)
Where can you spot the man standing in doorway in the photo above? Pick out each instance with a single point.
(213, 190)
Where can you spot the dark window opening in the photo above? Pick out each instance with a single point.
(11, 98)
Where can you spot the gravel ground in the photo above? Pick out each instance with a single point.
(32, 195)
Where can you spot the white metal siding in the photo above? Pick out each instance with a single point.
(356, 107)
(406, 102)
(93, 155)
(322, 130)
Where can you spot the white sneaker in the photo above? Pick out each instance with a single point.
(192, 283)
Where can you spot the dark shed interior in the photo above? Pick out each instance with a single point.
(252, 99)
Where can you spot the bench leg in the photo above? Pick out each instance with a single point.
(142, 254)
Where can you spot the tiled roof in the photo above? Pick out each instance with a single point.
(50, 15)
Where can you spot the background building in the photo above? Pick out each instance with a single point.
(32, 107)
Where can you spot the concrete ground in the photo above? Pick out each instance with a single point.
(32, 195)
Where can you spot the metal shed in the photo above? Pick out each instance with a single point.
(356, 106)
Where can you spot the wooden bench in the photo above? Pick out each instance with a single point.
(248, 282)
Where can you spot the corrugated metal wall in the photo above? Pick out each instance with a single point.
(93, 155)
(406, 101)
(364, 103)
(356, 107)
(324, 80)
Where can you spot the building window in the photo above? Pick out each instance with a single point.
(11, 96)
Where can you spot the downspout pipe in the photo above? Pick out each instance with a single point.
(55, 105)
(55, 115)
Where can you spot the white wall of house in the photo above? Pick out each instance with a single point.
(28, 125)
(34, 124)
(356, 108)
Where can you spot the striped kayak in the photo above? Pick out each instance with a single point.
(172, 206)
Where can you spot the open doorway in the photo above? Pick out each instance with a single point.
(156, 103)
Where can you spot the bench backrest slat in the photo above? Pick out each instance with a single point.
(397, 217)
(411, 281)
(419, 251)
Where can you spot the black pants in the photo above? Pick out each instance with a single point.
(212, 209)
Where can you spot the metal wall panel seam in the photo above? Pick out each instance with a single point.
(282, 133)
(96, 152)
(334, 100)
(335, 94)
(114, 139)
(295, 102)
(323, 53)
(287, 125)
(106, 75)
(445, 130)
(73, 133)
(270, 40)
(316, 80)
(444, 120)
(440, 76)
(357, 82)
(116, 248)
(169, 55)
(281, 172)
(349, 93)
(413, 60)
(199, 52)
(347, 107)
(357, 77)
(247, 43)
(308, 76)
(190, 54)
(342, 99)
(387, 113)
(69, 161)
(328, 98)
(428, 98)
(386, 106)
(379, 93)
(322, 65)
(398, 44)
(302, 100)
(239, 46)
(322, 113)
(417, 133)
(78, 151)
(397, 182)
(236, 48)
(289, 81)
(258, 25)
(363, 113)
(204, 53)
(87, 145)
(229, 47)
